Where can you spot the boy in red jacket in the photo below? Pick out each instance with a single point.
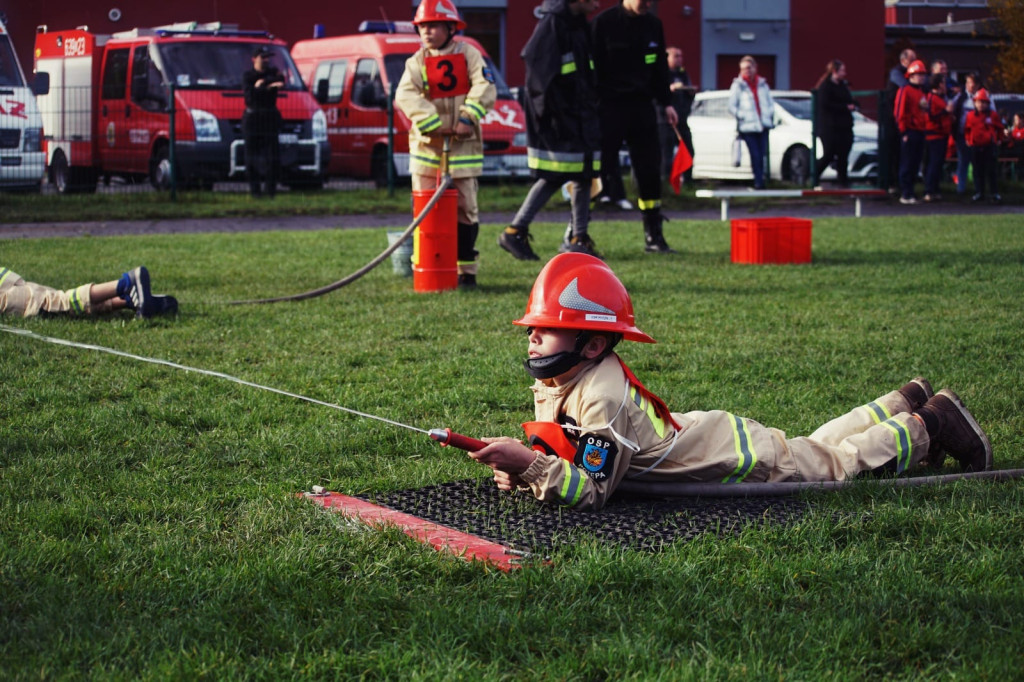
(983, 132)
(936, 136)
(911, 113)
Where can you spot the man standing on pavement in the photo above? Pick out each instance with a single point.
(682, 101)
(632, 70)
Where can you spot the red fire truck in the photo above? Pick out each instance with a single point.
(351, 77)
(109, 108)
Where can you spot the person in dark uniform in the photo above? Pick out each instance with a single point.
(682, 101)
(261, 123)
(564, 137)
(632, 70)
(835, 122)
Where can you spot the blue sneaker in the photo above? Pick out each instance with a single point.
(139, 297)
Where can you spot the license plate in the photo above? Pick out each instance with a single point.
(287, 138)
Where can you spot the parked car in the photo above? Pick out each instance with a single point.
(1008, 104)
(715, 146)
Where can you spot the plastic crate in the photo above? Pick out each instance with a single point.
(771, 240)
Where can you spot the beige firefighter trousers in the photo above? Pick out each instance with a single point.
(18, 297)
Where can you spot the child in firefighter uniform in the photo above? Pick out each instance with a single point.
(596, 424)
(983, 131)
(28, 299)
(445, 90)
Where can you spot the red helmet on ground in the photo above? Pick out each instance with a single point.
(982, 95)
(916, 66)
(579, 291)
(438, 10)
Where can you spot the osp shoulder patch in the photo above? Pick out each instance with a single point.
(596, 456)
(488, 74)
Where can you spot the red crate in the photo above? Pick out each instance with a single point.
(771, 240)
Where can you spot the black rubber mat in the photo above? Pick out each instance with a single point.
(520, 522)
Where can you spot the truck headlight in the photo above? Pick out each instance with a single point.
(206, 125)
(519, 140)
(319, 126)
(33, 140)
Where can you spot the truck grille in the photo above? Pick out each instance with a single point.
(10, 138)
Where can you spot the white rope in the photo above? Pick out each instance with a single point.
(220, 375)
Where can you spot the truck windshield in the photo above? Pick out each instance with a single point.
(394, 65)
(219, 65)
(10, 74)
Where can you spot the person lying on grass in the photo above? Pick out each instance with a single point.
(596, 424)
(131, 290)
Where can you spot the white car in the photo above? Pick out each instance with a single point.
(716, 145)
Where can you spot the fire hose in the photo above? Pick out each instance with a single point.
(444, 182)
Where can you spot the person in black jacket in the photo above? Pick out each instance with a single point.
(835, 121)
(564, 139)
(632, 70)
(261, 122)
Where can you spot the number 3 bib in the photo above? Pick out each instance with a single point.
(447, 75)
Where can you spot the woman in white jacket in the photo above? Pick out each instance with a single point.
(750, 101)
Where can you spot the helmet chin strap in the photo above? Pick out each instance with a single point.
(551, 366)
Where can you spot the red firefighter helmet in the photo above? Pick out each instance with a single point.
(982, 95)
(579, 291)
(916, 66)
(438, 10)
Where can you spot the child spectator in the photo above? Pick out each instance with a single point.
(937, 131)
(911, 112)
(131, 290)
(1015, 143)
(983, 132)
(445, 90)
(596, 424)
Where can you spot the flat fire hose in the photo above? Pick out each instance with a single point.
(784, 488)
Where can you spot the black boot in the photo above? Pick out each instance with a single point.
(654, 238)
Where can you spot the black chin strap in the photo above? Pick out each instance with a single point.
(551, 366)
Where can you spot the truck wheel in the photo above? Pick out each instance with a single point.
(160, 169)
(796, 165)
(70, 180)
(379, 167)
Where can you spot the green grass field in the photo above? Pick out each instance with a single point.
(149, 527)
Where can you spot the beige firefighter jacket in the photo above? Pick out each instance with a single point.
(431, 116)
(621, 436)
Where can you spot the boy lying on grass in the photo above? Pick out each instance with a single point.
(597, 424)
(131, 290)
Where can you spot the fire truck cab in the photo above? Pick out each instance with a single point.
(352, 77)
(113, 99)
(21, 129)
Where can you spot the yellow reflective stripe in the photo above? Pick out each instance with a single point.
(568, 68)
(4, 274)
(572, 484)
(76, 303)
(878, 412)
(644, 404)
(431, 161)
(648, 204)
(476, 108)
(429, 123)
(554, 166)
(591, 64)
(903, 443)
(464, 161)
(745, 453)
(650, 58)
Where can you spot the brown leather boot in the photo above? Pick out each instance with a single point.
(955, 430)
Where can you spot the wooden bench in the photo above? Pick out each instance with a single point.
(727, 194)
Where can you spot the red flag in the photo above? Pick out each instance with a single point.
(682, 163)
